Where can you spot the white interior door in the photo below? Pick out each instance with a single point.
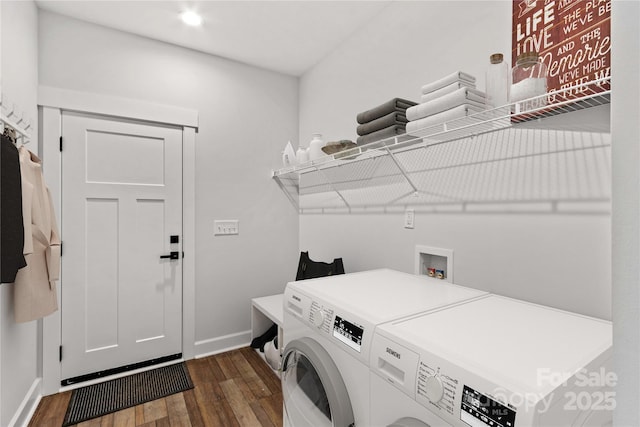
(121, 203)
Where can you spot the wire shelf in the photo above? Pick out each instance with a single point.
(488, 157)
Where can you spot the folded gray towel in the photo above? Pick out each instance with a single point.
(395, 118)
(387, 132)
(395, 104)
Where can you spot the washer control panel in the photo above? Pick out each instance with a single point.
(350, 333)
(346, 331)
(320, 317)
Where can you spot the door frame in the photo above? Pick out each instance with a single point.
(51, 103)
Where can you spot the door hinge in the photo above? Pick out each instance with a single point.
(61, 143)
(60, 350)
(60, 248)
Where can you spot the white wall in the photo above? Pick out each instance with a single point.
(246, 117)
(562, 260)
(19, 343)
(625, 126)
(405, 46)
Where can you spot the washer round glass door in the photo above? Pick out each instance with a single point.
(313, 390)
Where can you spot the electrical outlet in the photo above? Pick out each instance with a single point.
(225, 227)
(409, 216)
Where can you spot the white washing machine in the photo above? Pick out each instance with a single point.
(493, 362)
(327, 333)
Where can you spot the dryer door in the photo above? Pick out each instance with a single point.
(313, 390)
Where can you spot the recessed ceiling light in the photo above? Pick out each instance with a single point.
(191, 18)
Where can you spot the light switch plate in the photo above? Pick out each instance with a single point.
(225, 227)
(409, 217)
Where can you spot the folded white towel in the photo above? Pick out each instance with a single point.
(458, 76)
(426, 97)
(434, 124)
(463, 95)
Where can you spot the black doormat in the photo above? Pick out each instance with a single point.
(110, 396)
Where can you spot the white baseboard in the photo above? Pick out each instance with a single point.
(28, 406)
(221, 344)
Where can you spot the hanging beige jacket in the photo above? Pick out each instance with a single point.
(35, 288)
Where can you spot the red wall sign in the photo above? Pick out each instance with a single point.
(573, 37)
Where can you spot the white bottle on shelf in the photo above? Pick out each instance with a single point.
(497, 81)
(288, 155)
(315, 147)
(302, 155)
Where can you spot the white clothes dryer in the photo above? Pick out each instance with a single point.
(493, 362)
(327, 333)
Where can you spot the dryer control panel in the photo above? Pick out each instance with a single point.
(467, 380)
(439, 386)
(479, 409)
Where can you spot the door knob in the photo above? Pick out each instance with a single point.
(172, 255)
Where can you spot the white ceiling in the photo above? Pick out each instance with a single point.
(284, 36)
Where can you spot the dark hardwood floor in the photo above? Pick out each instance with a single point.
(236, 388)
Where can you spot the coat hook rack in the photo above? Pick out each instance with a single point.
(14, 125)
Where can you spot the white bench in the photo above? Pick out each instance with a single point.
(266, 311)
